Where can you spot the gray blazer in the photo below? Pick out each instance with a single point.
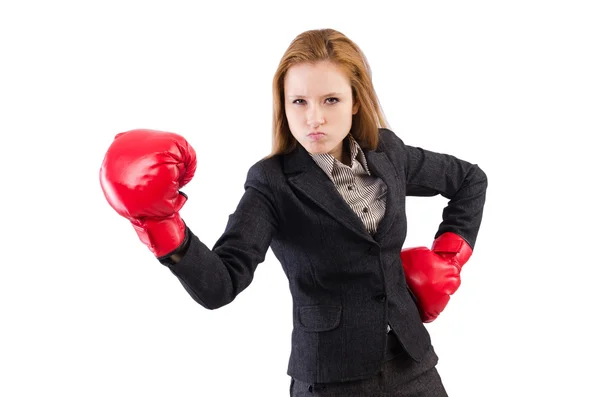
(346, 284)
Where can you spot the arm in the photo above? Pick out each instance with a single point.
(213, 278)
(434, 274)
(464, 184)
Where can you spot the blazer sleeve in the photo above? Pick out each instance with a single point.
(213, 278)
(464, 184)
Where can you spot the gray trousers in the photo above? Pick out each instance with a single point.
(400, 377)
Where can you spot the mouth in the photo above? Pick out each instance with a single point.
(316, 136)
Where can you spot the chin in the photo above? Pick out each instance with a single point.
(323, 151)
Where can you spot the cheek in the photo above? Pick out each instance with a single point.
(343, 115)
(293, 116)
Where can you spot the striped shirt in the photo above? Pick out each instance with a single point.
(364, 193)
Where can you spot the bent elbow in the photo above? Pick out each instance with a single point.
(208, 301)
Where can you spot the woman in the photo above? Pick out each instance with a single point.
(330, 202)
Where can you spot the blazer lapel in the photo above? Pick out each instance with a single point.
(307, 177)
(381, 167)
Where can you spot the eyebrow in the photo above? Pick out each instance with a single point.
(326, 95)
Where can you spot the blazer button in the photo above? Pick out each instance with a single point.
(380, 297)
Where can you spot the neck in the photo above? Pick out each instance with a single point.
(346, 153)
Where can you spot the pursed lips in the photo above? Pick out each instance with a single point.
(316, 136)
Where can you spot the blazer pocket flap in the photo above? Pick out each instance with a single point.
(319, 318)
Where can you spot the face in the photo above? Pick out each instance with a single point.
(319, 106)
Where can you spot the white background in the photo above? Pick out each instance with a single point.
(85, 308)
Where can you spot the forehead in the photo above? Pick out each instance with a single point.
(315, 79)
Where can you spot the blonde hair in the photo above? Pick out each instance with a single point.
(329, 45)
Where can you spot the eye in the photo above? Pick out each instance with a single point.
(295, 102)
(332, 100)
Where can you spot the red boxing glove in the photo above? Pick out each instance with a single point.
(141, 175)
(433, 275)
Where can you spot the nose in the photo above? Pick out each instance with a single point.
(314, 117)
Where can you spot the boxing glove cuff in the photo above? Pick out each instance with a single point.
(451, 245)
(161, 235)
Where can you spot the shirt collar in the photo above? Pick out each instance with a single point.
(327, 162)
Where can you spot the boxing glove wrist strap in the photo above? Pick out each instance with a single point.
(161, 235)
(452, 245)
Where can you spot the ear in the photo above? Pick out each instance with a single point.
(355, 107)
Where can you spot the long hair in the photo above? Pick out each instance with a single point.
(329, 45)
